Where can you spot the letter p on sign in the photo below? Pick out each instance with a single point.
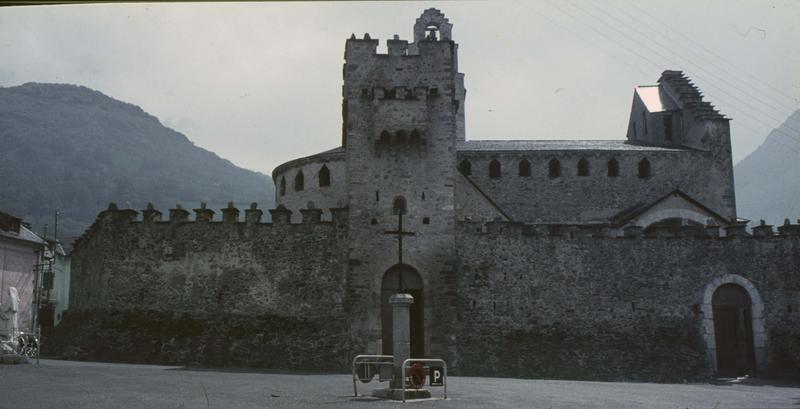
(437, 375)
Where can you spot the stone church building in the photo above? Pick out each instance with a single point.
(597, 259)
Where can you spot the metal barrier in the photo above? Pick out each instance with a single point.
(407, 362)
(370, 360)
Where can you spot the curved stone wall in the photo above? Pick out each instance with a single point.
(314, 193)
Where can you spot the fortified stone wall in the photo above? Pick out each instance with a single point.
(553, 301)
(556, 302)
(570, 198)
(209, 293)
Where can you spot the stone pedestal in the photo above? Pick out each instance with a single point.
(401, 350)
(401, 334)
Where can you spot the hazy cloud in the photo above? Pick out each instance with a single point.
(260, 83)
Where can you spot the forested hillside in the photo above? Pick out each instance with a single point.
(74, 149)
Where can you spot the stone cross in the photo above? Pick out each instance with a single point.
(400, 233)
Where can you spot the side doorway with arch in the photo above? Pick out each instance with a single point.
(411, 284)
(733, 331)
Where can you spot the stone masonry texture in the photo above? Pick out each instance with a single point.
(521, 275)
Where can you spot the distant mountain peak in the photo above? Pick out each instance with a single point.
(768, 179)
(76, 149)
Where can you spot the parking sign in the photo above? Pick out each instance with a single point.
(436, 375)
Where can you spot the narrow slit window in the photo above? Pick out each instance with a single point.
(644, 122)
(668, 127)
(414, 139)
(324, 177)
(524, 168)
(299, 182)
(644, 169)
(282, 189)
(494, 169)
(613, 168)
(583, 167)
(399, 206)
(385, 138)
(465, 167)
(554, 168)
(400, 138)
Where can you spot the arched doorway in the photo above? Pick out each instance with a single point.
(733, 331)
(412, 284)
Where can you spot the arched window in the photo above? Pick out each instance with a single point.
(583, 167)
(400, 138)
(524, 168)
(385, 138)
(299, 182)
(399, 206)
(554, 168)
(324, 177)
(613, 168)
(494, 169)
(465, 167)
(644, 169)
(414, 139)
(282, 189)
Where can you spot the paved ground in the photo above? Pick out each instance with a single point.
(64, 384)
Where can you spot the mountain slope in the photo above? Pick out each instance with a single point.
(76, 149)
(768, 180)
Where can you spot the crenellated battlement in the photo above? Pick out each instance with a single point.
(114, 218)
(365, 47)
(606, 231)
(431, 29)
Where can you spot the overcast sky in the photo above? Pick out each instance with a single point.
(260, 83)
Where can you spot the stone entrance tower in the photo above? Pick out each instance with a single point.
(403, 113)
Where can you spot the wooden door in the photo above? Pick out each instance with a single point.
(733, 331)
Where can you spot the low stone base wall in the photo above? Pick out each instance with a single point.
(783, 353)
(153, 337)
(665, 354)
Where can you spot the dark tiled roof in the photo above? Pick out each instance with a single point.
(24, 234)
(556, 145)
